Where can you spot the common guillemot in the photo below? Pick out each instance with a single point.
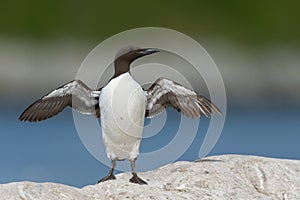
(122, 104)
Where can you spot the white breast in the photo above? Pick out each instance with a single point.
(122, 107)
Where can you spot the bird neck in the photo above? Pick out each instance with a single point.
(121, 67)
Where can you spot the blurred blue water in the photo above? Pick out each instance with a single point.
(52, 151)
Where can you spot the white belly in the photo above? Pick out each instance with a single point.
(122, 107)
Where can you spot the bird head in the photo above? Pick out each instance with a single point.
(127, 55)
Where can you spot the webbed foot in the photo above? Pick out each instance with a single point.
(136, 179)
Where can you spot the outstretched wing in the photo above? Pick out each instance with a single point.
(166, 93)
(75, 94)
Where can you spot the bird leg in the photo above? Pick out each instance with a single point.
(111, 175)
(135, 178)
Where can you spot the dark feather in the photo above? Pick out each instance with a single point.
(165, 93)
(74, 94)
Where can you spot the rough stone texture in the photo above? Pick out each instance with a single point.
(217, 177)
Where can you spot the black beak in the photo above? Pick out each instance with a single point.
(149, 51)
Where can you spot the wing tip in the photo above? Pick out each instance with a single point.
(22, 117)
(209, 105)
(31, 119)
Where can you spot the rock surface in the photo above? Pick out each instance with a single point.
(216, 177)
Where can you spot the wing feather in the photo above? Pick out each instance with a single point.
(165, 93)
(74, 94)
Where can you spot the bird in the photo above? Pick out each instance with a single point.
(122, 105)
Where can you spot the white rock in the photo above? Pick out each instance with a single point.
(217, 177)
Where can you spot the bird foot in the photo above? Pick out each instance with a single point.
(106, 178)
(138, 180)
